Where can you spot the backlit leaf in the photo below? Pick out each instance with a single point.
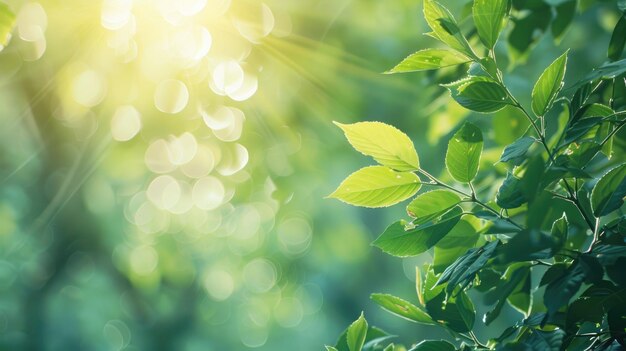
(357, 332)
(445, 27)
(489, 18)
(377, 186)
(429, 59)
(386, 144)
(432, 204)
(433, 345)
(548, 85)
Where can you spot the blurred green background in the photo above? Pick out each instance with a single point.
(163, 166)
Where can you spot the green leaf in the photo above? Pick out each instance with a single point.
(445, 27)
(479, 94)
(489, 18)
(618, 39)
(514, 277)
(463, 270)
(357, 332)
(386, 144)
(606, 71)
(537, 339)
(429, 59)
(515, 152)
(510, 193)
(330, 348)
(7, 22)
(562, 289)
(548, 85)
(433, 345)
(559, 233)
(446, 309)
(397, 241)
(377, 186)
(430, 205)
(565, 13)
(373, 338)
(402, 308)
(463, 155)
(461, 238)
(608, 194)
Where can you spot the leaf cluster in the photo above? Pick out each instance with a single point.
(554, 213)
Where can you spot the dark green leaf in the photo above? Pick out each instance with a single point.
(559, 233)
(607, 71)
(537, 340)
(510, 193)
(581, 128)
(377, 186)
(608, 194)
(618, 39)
(516, 151)
(514, 278)
(562, 289)
(565, 13)
(397, 241)
(433, 345)
(463, 270)
(463, 155)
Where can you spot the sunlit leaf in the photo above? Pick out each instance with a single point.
(357, 332)
(429, 59)
(489, 18)
(463, 155)
(548, 85)
(402, 308)
(386, 144)
(445, 27)
(515, 152)
(398, 241)
(431, 204)
(377, 186)
(608, 194)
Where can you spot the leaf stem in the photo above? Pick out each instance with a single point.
(472, 196)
